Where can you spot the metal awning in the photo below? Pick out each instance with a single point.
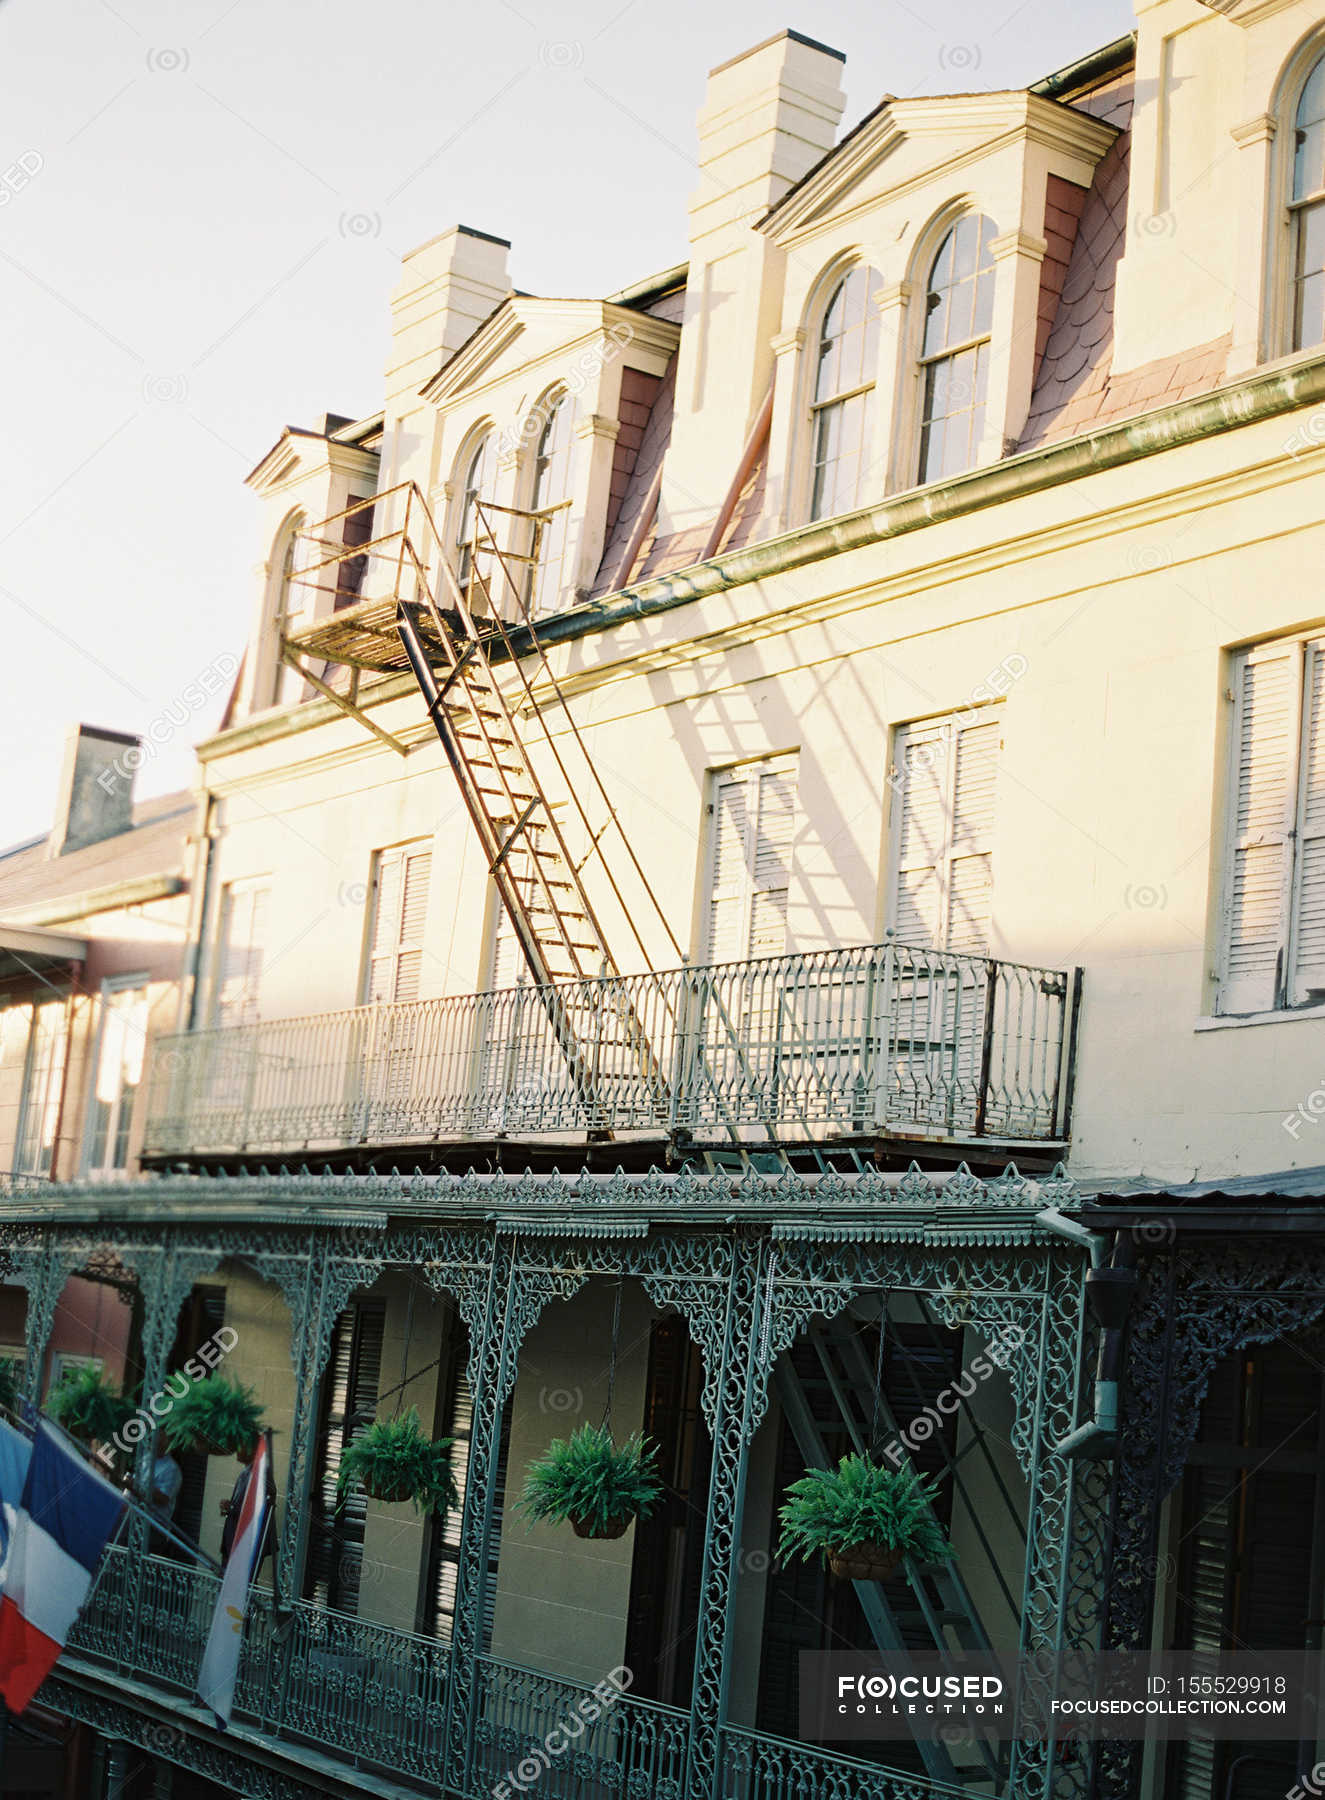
(33, 950)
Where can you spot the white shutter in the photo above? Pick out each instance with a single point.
(400, 912)
(752, 835)
(946, 781)
(242, 946)
(1308, 915)
(1266, 694)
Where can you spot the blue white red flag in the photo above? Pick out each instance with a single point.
(67, 1515)
(220, 1660)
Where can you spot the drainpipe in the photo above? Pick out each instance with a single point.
(206, 856)
(1109, 1288)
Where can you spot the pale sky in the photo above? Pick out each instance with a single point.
(203, 205)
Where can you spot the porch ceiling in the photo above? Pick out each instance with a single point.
(33, 950)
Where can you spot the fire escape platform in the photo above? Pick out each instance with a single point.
(361, 636)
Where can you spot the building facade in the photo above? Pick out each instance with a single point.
(765, 849)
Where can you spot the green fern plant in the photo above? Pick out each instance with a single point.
(600, 1486)
(88, 1406)
(8, 1384)
(215, 1417)
(860, 1504)
(395, 1460)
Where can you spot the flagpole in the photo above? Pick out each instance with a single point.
(131, 1500)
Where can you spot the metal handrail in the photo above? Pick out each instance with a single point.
(862, 1041)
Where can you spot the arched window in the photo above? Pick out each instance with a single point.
(480, 478)
(287, 685)
(954, 352)
(1307, 209)
(844, 394)
(552, 470)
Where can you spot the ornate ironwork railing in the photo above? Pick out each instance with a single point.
(563, 1741)
(366, 1692)
(856, 1041)
(758, 1767)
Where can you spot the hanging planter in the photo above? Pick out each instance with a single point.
(591, 1482)
(862, 1519)
(394, 1461)
(87, 1406)
(215, 1417)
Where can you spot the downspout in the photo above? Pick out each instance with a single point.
(1109, 1288)
(206, 856)
(64, 1073)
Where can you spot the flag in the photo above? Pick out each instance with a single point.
(66, 1516)
(15, 1455)
(220, 1660)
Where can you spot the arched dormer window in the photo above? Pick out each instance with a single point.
(843, 403)
(549, 497)
(478, 483)
(1307, 210)
(286, 683)
(954, 351)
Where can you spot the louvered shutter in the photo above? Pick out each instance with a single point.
(243, 941)
(752, 836)
(724, 935)
(400, 912)
(350, 1387)
(1308, 919)
(1266, 693)
(946, 776)
(775, 830)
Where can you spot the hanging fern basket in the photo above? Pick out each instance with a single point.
(865, 1562)
(395, 1460)
(604, 1528)
(215, 1417)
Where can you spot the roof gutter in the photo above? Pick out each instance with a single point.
(109, 898)
(1276, 394)
(1088, 71)
(1249, 402)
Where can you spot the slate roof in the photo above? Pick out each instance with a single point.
(154, 845)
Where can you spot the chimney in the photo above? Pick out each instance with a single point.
(448, 286)
(95, 798)
(768, 117)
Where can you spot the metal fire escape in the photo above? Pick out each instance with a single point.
(470, 641)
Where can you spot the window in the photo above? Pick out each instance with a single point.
(552, 472)
(954, 352)
(753, 813)
(480, 479)
(1273, 926)
(287, 683)
(118, 1070)
(400, 916)
(844, 394)
(1307, 210)
(944, 780)
(241, 945)
(43, 1081)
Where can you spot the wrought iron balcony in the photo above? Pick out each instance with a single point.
(376, 1699)
(880, 1040)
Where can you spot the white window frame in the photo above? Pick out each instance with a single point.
(113, 984)
(870, 388)
(406, 852)
(56, 1074)
(751, 771)
(247, 884)
(947, 727)
(1288, 999)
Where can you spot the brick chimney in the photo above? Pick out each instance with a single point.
(768, 116)
(95, 796)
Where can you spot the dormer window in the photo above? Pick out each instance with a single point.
(954, 355)
(843, 402)
(551, 491)
(1307, 209)
(287, 686)
(479, 483)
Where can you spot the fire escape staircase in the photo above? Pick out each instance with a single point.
(459, 635)
(926, 1607)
